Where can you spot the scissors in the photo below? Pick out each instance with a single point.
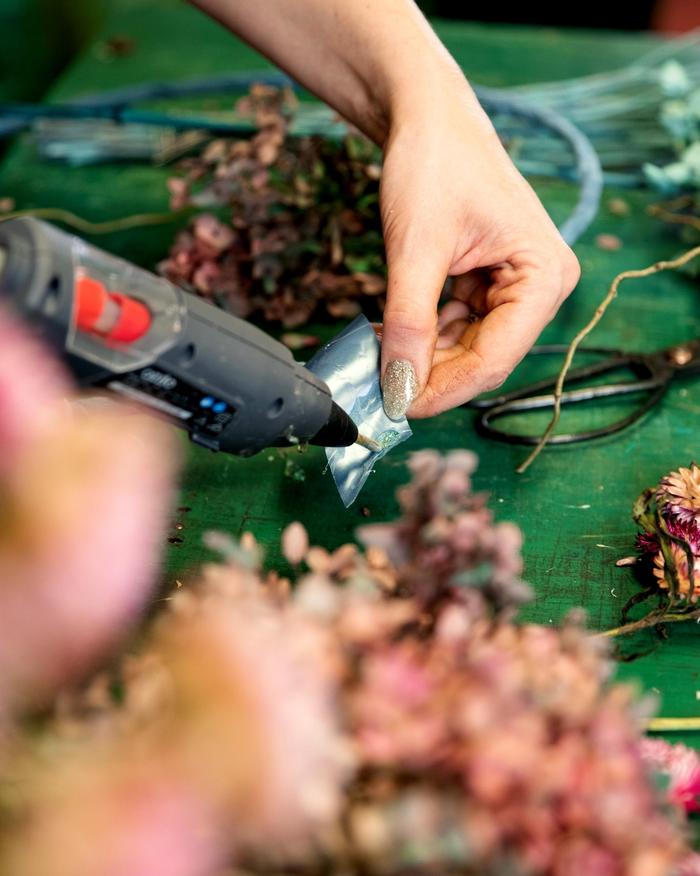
(654, 372)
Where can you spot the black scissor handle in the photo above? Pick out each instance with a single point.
(614, 360)
(523, 405)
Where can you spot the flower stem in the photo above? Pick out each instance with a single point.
(586, 330)
(85, 226)
(650, 620)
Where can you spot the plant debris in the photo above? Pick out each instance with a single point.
(608, 242)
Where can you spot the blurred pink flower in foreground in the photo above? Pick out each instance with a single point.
(85, 492)
(249, 709)
(31, 385)
(681, 766)
(113, 816)
(384, 716)
(226, 741)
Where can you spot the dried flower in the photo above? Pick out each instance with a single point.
(295, 543)
(686, 588)
(679, 494)
(383, 716)
(446, 541)
(680, 766)
(99, 816)
(32, 386)
(669, 516)
(84, 503)
(301, 227)
(244, 703)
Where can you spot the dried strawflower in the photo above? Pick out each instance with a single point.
(679, 494)
(669, 517)
(680, 767)
(669, 547)
(297, 225)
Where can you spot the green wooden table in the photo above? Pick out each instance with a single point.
(574, 504)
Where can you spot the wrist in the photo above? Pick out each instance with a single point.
(436, 99)
(403, 88)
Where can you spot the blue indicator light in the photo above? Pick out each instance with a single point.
(220, 407)
(206, 402)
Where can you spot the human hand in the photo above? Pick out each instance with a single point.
(453, 204)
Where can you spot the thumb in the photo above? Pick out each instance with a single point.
(415, 280)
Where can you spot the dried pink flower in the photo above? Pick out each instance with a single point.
(32, 385)
(248, 708)
(94, 816)
(295, 543)
(304, 230)
(680, 579)
(446, 542)
(84, 516)
(84, 506)
(679, 493)
(681, 765)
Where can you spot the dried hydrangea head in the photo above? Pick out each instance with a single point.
(500, 744)
(447, 541)
(84, 515)
(679, 493)
(248, 706)
(304, 230)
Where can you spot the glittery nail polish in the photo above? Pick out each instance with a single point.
(399, 388)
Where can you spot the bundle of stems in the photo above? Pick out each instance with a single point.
(619, 111)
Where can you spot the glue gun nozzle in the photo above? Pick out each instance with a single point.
(369, 443)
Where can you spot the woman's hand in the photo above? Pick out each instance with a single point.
(452, 202)
(454, 205)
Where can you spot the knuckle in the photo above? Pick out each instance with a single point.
(570, 271)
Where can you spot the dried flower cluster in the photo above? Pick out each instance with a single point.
(382, 716)
(670, 520)
(293, 222)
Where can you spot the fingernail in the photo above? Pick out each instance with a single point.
(399, 388)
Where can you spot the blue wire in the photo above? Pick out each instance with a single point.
(115, 105)
(589, 170)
